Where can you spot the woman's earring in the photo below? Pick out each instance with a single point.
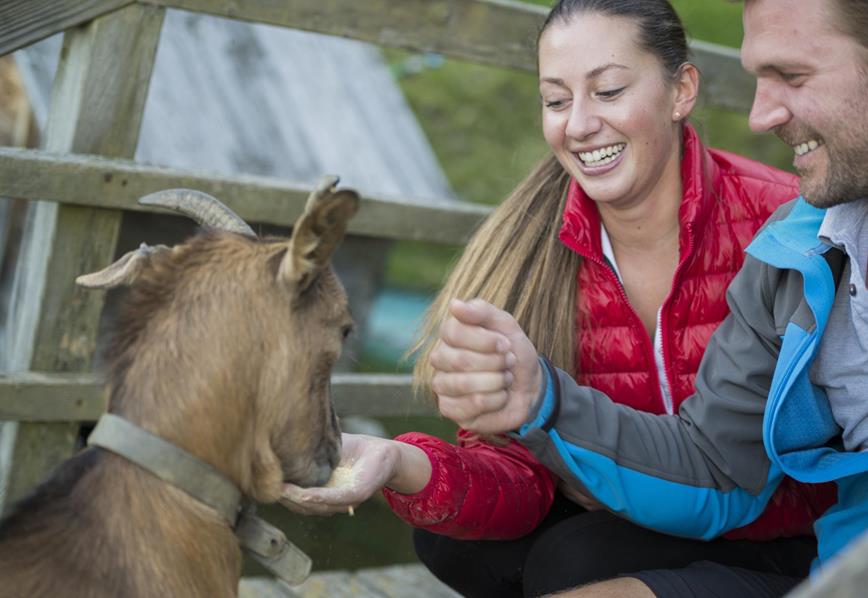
(677, 116)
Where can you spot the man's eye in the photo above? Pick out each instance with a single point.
(554, 104)
(791, 77)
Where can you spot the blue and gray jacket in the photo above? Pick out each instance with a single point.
(754, 417)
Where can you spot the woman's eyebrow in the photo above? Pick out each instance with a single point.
(593, 74)
(601, 69)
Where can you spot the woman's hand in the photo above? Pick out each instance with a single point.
(487, 376)
(368, 464)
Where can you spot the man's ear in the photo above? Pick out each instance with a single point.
(317, 234)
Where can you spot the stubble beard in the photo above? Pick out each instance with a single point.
(846, 177)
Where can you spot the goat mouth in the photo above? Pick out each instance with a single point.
(316, 476)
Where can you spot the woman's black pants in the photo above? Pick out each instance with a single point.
(572, 547)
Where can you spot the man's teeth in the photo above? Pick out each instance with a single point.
(804, 148)
(602, 156)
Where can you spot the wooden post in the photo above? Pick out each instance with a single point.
(96, 108)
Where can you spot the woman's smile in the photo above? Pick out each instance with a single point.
(602, 160)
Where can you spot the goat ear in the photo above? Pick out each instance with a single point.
(317, 233)
(122, 272)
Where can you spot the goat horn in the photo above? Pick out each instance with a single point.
(325, 185)
(122, 272)
(201, 207)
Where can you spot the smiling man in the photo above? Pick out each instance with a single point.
(783, 387)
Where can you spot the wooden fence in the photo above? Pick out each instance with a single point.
(84, 179)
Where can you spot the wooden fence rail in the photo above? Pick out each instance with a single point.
(495, 32)
(116, 184)
(38, 397)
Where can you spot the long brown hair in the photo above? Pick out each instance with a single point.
(516, 262)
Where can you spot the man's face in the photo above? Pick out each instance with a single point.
(812, 91)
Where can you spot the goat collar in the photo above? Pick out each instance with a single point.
(169, 463)
(263, 541)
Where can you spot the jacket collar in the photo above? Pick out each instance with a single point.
(580, 230)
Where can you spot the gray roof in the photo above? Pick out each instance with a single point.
(235, 97)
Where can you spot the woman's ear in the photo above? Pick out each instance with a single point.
(686, 91)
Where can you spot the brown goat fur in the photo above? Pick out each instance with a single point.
(224, 347)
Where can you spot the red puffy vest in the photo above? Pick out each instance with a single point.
(726, 198)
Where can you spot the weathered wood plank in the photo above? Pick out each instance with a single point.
(116, 184)
(724, 82)
(263, 587)
(377, 395)
(404, 581)
(39, 397)
(844, 577)
(496, 32)
(24, 22)
(333, 584)
(397, 581)
(96, 108)
(32, 396)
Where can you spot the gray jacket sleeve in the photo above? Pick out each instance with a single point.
(702, 471)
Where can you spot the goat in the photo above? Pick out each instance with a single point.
(223, 347)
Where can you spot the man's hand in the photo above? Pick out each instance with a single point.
(487, 376)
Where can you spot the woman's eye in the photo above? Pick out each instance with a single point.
(554, 104)
(609, 93)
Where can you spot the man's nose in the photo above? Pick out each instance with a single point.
(768, 111)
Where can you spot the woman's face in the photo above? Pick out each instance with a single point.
(608, 108)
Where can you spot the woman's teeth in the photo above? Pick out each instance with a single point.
(602, 156)
(804, 148)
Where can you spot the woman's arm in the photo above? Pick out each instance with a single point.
(478, 489)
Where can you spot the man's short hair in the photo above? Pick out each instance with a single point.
(851, 17)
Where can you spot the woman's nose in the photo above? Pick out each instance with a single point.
(582, 122)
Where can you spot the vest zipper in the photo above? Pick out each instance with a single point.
(667, 365)
(646, 339)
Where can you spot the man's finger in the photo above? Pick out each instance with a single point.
(456, 384)
(478, 312)
(447, 358)
(472, 337)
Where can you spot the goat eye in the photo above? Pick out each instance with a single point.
(345, 332)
